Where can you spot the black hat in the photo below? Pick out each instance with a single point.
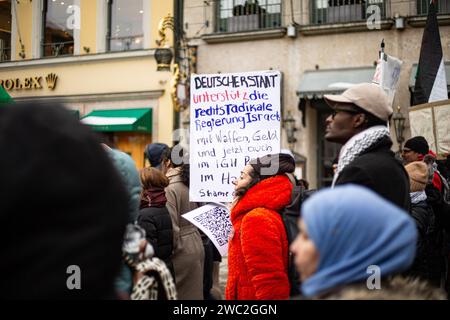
(154, 152)
(63, 210)
(272, 165)
(417, 144)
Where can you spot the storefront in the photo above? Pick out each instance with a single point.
(97, 58)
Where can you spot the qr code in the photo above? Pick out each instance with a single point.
(217, 221)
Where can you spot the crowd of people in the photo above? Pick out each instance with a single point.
(69, 200)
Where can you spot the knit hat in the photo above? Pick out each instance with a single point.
(418, 175)
(153, 153)
(417, 144)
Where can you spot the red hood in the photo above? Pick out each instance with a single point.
(272, 193)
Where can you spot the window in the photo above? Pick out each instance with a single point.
(246, 15)
(327, 151)
(5, 30)
(58, 37)
(442, 7)
(125, 25)
(341, 11)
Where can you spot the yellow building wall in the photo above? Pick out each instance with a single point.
(98, 76)
(88, 26)
(158, 10)
(24, 25)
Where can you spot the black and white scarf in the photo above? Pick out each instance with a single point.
(147, 287)
(418, 196)
(357, 145)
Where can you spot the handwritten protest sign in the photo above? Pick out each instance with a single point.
(234, 118)
(214, 221)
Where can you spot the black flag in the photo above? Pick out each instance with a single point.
(431, 84)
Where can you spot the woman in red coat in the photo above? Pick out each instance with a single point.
(258, 248)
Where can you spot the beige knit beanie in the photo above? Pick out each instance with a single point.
(418, 175)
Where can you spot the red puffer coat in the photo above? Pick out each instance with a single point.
(258, 250)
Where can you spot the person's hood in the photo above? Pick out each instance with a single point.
(174, 175)
(273, 193)
(130, 177)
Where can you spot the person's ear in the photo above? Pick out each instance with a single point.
(359, 120)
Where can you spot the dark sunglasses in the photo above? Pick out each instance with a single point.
(336, 111)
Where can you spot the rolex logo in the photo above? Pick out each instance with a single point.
(51, 79)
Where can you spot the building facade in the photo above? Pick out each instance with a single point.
(95, 56)
(320, 46)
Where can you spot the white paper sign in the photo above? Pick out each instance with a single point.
(234, 118)
(387, 75)
(214, 221)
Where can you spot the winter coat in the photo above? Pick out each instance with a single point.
(258, 250)
(397, 288)
(379, 170)
(158, 230)
(429, 263)
(126, 168)
(188, 256)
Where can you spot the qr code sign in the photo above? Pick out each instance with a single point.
(217, 221)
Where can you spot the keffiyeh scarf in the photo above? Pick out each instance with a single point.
(147, 287)
(357, 145)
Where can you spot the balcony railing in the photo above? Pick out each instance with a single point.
(56, 49)
(442, 7)
(233, 17)
(126, 43)
(343, 11)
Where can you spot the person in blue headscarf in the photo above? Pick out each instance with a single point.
(347, 235)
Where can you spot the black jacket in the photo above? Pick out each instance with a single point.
(158, 228)
(379, 170)
(429, 261)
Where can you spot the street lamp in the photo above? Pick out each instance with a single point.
(289, 126)
(399, 125)
(163, 57)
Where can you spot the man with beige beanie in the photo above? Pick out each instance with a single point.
(429, 262)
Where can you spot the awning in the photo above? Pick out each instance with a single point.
(4, 96)
(315, 83)
(412, 78)
(135, 120)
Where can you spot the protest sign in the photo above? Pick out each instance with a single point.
(214, 221)
(387, 75)
(234, 118)
(431, 120)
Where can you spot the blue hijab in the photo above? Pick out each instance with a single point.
(353, 228)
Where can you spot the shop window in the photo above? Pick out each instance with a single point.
(247, 15)
(442, 7)
(125, 25)
(342, 11)
(5, 30)
(58, 37)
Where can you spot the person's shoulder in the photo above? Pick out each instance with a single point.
(264, 215)
(397, 288)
